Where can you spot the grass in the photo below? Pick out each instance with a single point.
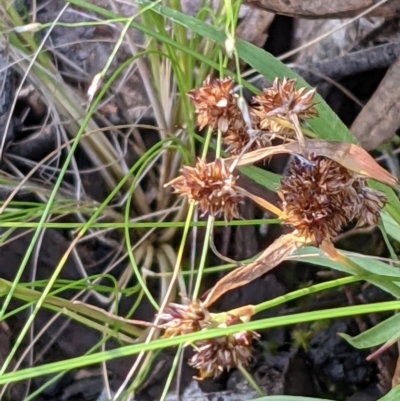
(152, 236)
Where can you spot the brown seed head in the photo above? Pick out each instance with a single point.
(215, 355)
(183, 319)
(371, 203)
(320, 197)
(282, 100)
(237, 138)
(237, 141)
(216, 105)
(211, 186)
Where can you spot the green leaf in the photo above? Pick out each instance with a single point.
(377, 335)
(376, 267)
(393, 204)
(289, 398)
(391, 226)
(72, 309)
(264, 178)
(383, 275)
(392, 395)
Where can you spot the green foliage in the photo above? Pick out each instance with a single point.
(180, 50)
(388, 330)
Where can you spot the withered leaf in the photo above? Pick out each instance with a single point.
(348, 155)
(270, 258)
(326, 9)
(356, 159)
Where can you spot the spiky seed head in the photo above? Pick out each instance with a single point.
(320, 197)
(215, 104)
(215, 355)
(179, 319)
(281, 100)
(211, 187)
(371, 203)
(237, 141)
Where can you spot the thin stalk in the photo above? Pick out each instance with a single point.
(250, 380)
(152, 331)
(170, 376)
(308, 291)
(203, 259)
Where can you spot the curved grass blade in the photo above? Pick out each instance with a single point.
(377, 335)
(256, 325)
(392, 395)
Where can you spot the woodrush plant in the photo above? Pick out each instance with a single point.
(319, 198)
(246, 132)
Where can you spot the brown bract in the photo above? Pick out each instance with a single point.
(216, 105)
(215, 355)
(179, 319)
(211, 186)
(320, 197)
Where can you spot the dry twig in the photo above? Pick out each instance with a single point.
(380, 118)
(325, 9)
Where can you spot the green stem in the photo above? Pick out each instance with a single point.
(199, 276)
(262, 324)
(307, 291)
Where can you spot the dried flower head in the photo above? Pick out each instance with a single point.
(371, 203)
(215, 104)
(215, 355)
(238, 140)
(320, 197)
(282, 99)
(211, 186)
(179, 319)
(275, 128)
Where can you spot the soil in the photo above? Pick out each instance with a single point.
(323, 365)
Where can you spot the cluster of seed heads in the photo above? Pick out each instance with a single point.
(217, 107)
(214, 355)
(319, 197)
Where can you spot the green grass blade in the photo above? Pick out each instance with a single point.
(392, 395)
(257, 325)
(264, 178)
(377, 335)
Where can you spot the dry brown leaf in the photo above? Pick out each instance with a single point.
(325, 9)
(270, 258)
(263, 153)
(348, 155)
(380, 117)
(355, 159)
